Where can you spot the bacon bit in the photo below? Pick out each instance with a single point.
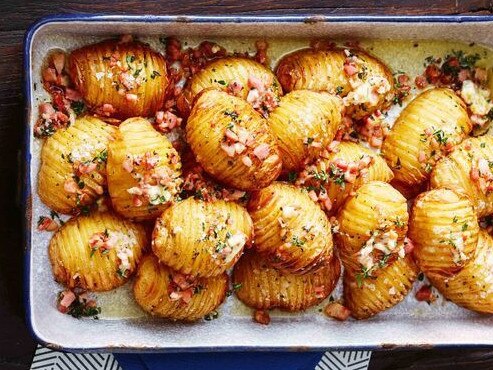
(421, 157)
(334, 146)
(70, 186)
(229, 149)
(262, 317)
(408, 245)
(106, 110)
(86, 168)
(128, 164)
(319, 292)
(262, 151)
(234, 88)
(350, 69)
(425, 294)
(374, 130)
(247, 161)
(337, 311)
(131, 97)
(313, 195)
(67, 297)
(167, 121)
(136, 201)
(420, 82)
(47, 224)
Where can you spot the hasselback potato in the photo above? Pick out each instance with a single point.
(291, 231)
(96, 252)
(262, 287)
(143, 170)
(73, 165)
(444, 229)
(242, 77)
(120, 79)
(363, 81)
(426, 130)
(202, 238)
(232, 142)
(304, 123)
(367, 297)
(372, 229)
(468, 170)
(471, 287)
(164, 292)
(334, 177)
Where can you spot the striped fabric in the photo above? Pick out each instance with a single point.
(46, 359)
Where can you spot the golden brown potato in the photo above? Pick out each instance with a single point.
(290, 230)
(368, 297)
(242, 77)
(333, 178)
(426, 130)
(471, 287)
(468, 170)
(143, 170)
(444, 229)
(304, 123)
(372, 229)
(202, 238)
(262, 287)
(232, 142)
(164, 292)
(120, 79)
(73, 165)
(364, 81)
(97, 252)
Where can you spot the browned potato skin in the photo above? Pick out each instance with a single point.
(375, 295)
(278, 244)
(323, 70)
(437, 221)
(304, 115)
(151, 293)
(472, 286)
(205, 132)
(263, 287)
(179, 238)
(85, 62)
(73, 263)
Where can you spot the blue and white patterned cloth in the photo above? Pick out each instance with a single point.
(46, 359)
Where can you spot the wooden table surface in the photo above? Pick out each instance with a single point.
(16, 345)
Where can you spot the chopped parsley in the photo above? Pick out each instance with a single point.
(78, 107)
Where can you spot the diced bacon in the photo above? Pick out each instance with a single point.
(136, 201)
(333, 146)
(408, 245)
(127, 80)
(474, 174)
(58, 61)
(239, 148)
(319, 291)
(420, 82)
(67, 298)
(186, 295)
(85, 168)
(337, 311)
(46, 109)
(327, 203)
(262, 151)
(425, 294)
(128, 164)
(167, 121)
(421, 157)
(231, 135)
(262, 317)
(180, 280)
(341, 164)
(159, 117)
(131, 97)
(467, 145)
(256, 83)
(47, 224)
(70, 186)
(349, 177)
(313, 196)
(229, 149)
(108, 109)
(350, 69)
(247, 161)
(463, 75)
(235, 88)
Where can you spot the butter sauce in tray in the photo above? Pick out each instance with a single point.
(193, 190)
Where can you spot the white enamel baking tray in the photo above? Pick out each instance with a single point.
(122, 326)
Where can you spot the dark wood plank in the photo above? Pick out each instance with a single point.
(16, 346)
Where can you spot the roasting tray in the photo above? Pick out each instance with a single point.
(123, 327)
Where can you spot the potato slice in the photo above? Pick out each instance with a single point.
(143, 171)
(98, 252)
(232, 142)
(467, 170)
(202, 238)
(262, 287)
(73, 165)
(290, 229)
(366, 86)
(444, 229)
(368, 297)
(304, 123)
(120, 79)
(372, 229)
(163, 292)
(426, 130)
